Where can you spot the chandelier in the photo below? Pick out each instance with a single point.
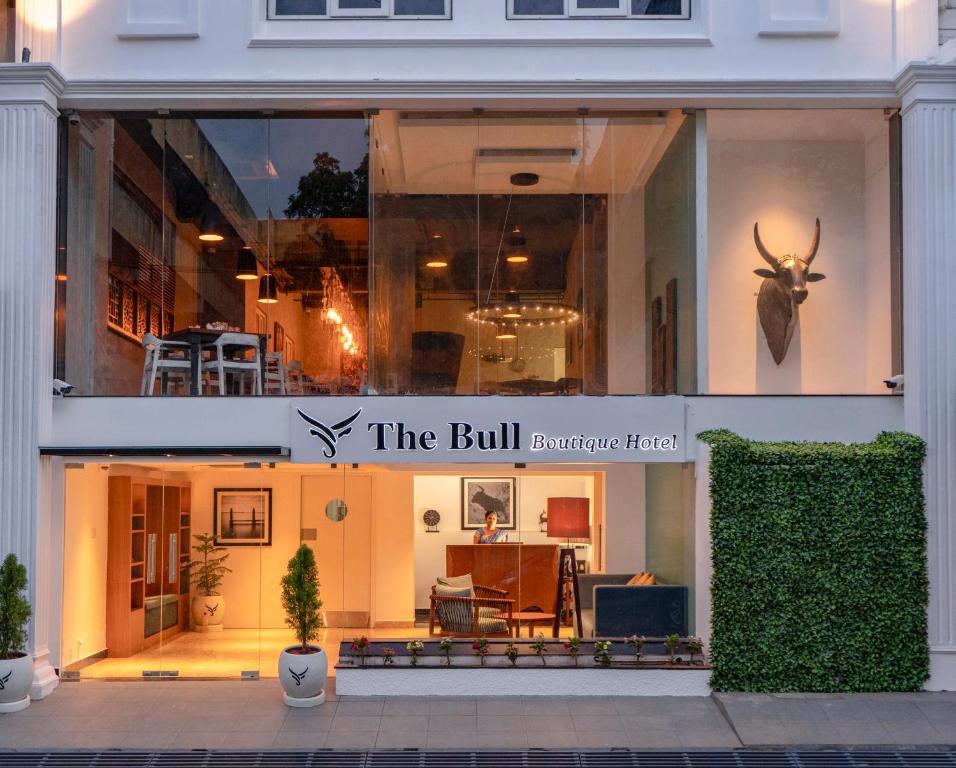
(512, 313)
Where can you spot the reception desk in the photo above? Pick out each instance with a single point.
(529, 572)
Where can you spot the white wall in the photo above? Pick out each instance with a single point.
(233, 43)
(443, 492)
(783, 170)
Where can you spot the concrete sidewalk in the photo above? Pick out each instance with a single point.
(251, 715)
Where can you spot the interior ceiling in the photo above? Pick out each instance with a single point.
(418, 153)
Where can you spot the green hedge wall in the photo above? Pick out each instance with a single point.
(819, 565)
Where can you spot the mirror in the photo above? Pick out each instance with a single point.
(336, 510)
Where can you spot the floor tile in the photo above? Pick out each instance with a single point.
(453, 706)
(608, 722)
(502, 740)
(452, 740)
(199, 740)
(401, 740)
(548, 723)
(652, 738)
(452, 723)
(351, 739)
(355, 723)
(361, 708)
(410, 705)
(552, 739)
(403, 723)
(300, 739)
(501, 724)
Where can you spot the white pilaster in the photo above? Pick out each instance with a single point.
(38, 28)
(28, 150)
(929, 323)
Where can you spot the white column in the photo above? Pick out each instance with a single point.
(37, 28)
(28, 149)
(929, 330)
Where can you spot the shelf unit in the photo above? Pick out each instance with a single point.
(138, 509)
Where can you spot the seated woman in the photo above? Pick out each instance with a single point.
(491, 533)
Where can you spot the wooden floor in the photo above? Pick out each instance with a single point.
(229, 653)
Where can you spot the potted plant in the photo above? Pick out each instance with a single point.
(695, 647)
(671, 643)
(16, 666)
(481, 649)
(602, 652)
(388, 657)
(573, 646)
(415, 648)
(446, 644)
(637, 643)
(360, 648)
(206, 574)
(303, 667)
(540, 648)
(512, 653)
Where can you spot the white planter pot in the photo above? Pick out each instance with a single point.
(303, 676)
(16, 677)
(208, 612)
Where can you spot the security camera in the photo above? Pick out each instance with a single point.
(894, 383)
(61, 387)
(73, 116)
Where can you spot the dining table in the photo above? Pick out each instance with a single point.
(197, 338)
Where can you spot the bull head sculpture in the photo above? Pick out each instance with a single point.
(782, 292)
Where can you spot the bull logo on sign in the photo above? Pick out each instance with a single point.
(782, 291)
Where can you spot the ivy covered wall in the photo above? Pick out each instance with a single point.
(819, 565)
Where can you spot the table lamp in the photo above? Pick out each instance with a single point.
(569, 517)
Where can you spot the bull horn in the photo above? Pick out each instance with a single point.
(814, 245)
(769, 257)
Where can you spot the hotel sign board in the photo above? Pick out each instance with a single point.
(491, 429)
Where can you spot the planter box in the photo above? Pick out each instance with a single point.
(524, 680)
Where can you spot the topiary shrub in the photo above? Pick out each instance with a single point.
(819, 565)
(300, 596)
(14, 608)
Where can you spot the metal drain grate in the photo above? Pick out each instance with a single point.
(414, 758)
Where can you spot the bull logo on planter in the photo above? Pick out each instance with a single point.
(298, 676)
(329, 435)
(211, 609)
(5, 679)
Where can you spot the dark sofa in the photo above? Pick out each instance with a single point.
(610, 608)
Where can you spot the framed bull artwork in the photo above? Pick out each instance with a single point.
(481, 495)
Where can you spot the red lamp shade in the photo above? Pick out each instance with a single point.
(569, 517)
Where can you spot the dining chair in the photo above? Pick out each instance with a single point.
(276, 380)
(168, 360)
(230, 354)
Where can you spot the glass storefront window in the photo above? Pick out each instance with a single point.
(831, 327)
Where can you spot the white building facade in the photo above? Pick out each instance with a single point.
(378, 169)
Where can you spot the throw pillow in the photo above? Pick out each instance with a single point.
(460, 582)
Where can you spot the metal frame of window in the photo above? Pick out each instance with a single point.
(571, 11)
(334, 13)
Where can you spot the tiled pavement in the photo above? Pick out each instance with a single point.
(251, 715)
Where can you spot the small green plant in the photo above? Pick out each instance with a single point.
(14, 608)
(671, 643)
(540, 648)
(573, 646)
(512, 653)
(481, 649)
(415, 648)
(446, 644)
(359, 647)
(637, 643)
(695, 647)
(208, 570)
(388, 657)
(602, 652)
(300, 596)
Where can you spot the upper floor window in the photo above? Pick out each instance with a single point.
(563, 9)
(350, 9)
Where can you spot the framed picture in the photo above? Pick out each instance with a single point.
(481, 495)
(243, 517)
(289, 353)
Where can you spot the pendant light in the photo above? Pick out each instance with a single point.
(268, 293)
(506, 331)
(517, 252)
(209, 229)
(436, 256)
(247, 268)
(512, 309)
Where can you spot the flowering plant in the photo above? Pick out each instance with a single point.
(573, 646)
(695, 646)
(602, 652)
(637, 643)
(512, 653)
(359, 647)
(388, 656)
(480, 647)
(415, 647)
(540, 648)
(446, 645)
(672, 643)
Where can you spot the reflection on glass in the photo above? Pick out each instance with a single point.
(336, 510)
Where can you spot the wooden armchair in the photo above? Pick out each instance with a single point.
(487, 613)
